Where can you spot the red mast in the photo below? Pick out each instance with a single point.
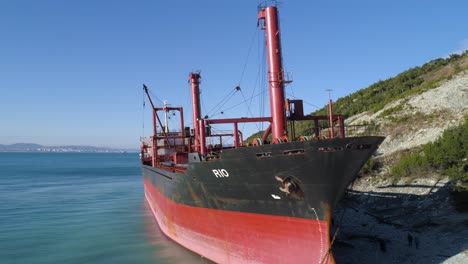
(330, 115)
(194, 79)
(275, 71)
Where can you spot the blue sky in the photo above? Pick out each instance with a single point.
(71, 71)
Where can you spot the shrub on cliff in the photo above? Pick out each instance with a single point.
(448, 154)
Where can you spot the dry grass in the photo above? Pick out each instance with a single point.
(446, 71)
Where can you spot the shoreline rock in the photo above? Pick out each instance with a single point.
(404, 222)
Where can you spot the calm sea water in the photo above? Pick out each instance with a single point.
(79, 208)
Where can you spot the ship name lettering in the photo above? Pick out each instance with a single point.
(220, 173)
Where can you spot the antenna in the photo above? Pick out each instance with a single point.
(166, 121)
(330, 114)
(329, 93)
(265, 3)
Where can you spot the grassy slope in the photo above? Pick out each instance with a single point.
(373, 98)
(448, 155)
(413, 81)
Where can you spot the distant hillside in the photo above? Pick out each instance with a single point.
(414, 81)
(20, 146)
(31, 147)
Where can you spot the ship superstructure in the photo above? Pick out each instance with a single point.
(250, 202)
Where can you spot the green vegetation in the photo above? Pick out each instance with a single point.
(413, 81)
(391, 111)
(448, 155)
(373, 98)
(370, 166)
(259, 134)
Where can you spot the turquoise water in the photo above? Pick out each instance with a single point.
(79, 208)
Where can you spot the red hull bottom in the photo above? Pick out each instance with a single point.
(236, 237)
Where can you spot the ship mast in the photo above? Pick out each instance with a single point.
(166, 121)
(269, 17)
(330, 115)
(194, 79)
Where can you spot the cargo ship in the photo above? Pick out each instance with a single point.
(265, 201)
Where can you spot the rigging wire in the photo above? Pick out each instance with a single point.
(248, 105)
(155, 97)
(261, 48)
(260, 76)
(143, 116)
(188, 98)
(248, 55)
(202, 103)
(292, 91)
(260, 83)
(294, 97)
(229, 108)
(261, 70)
(243, 102)
(226, 98)
(216, 109)
(248, 109)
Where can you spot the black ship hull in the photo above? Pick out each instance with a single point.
(291, 186)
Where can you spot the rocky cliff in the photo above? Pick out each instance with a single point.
(417, 219)
(422, 118)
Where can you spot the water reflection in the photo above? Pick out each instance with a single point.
(165, 249)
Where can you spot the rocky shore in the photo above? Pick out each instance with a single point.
(409, 221)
